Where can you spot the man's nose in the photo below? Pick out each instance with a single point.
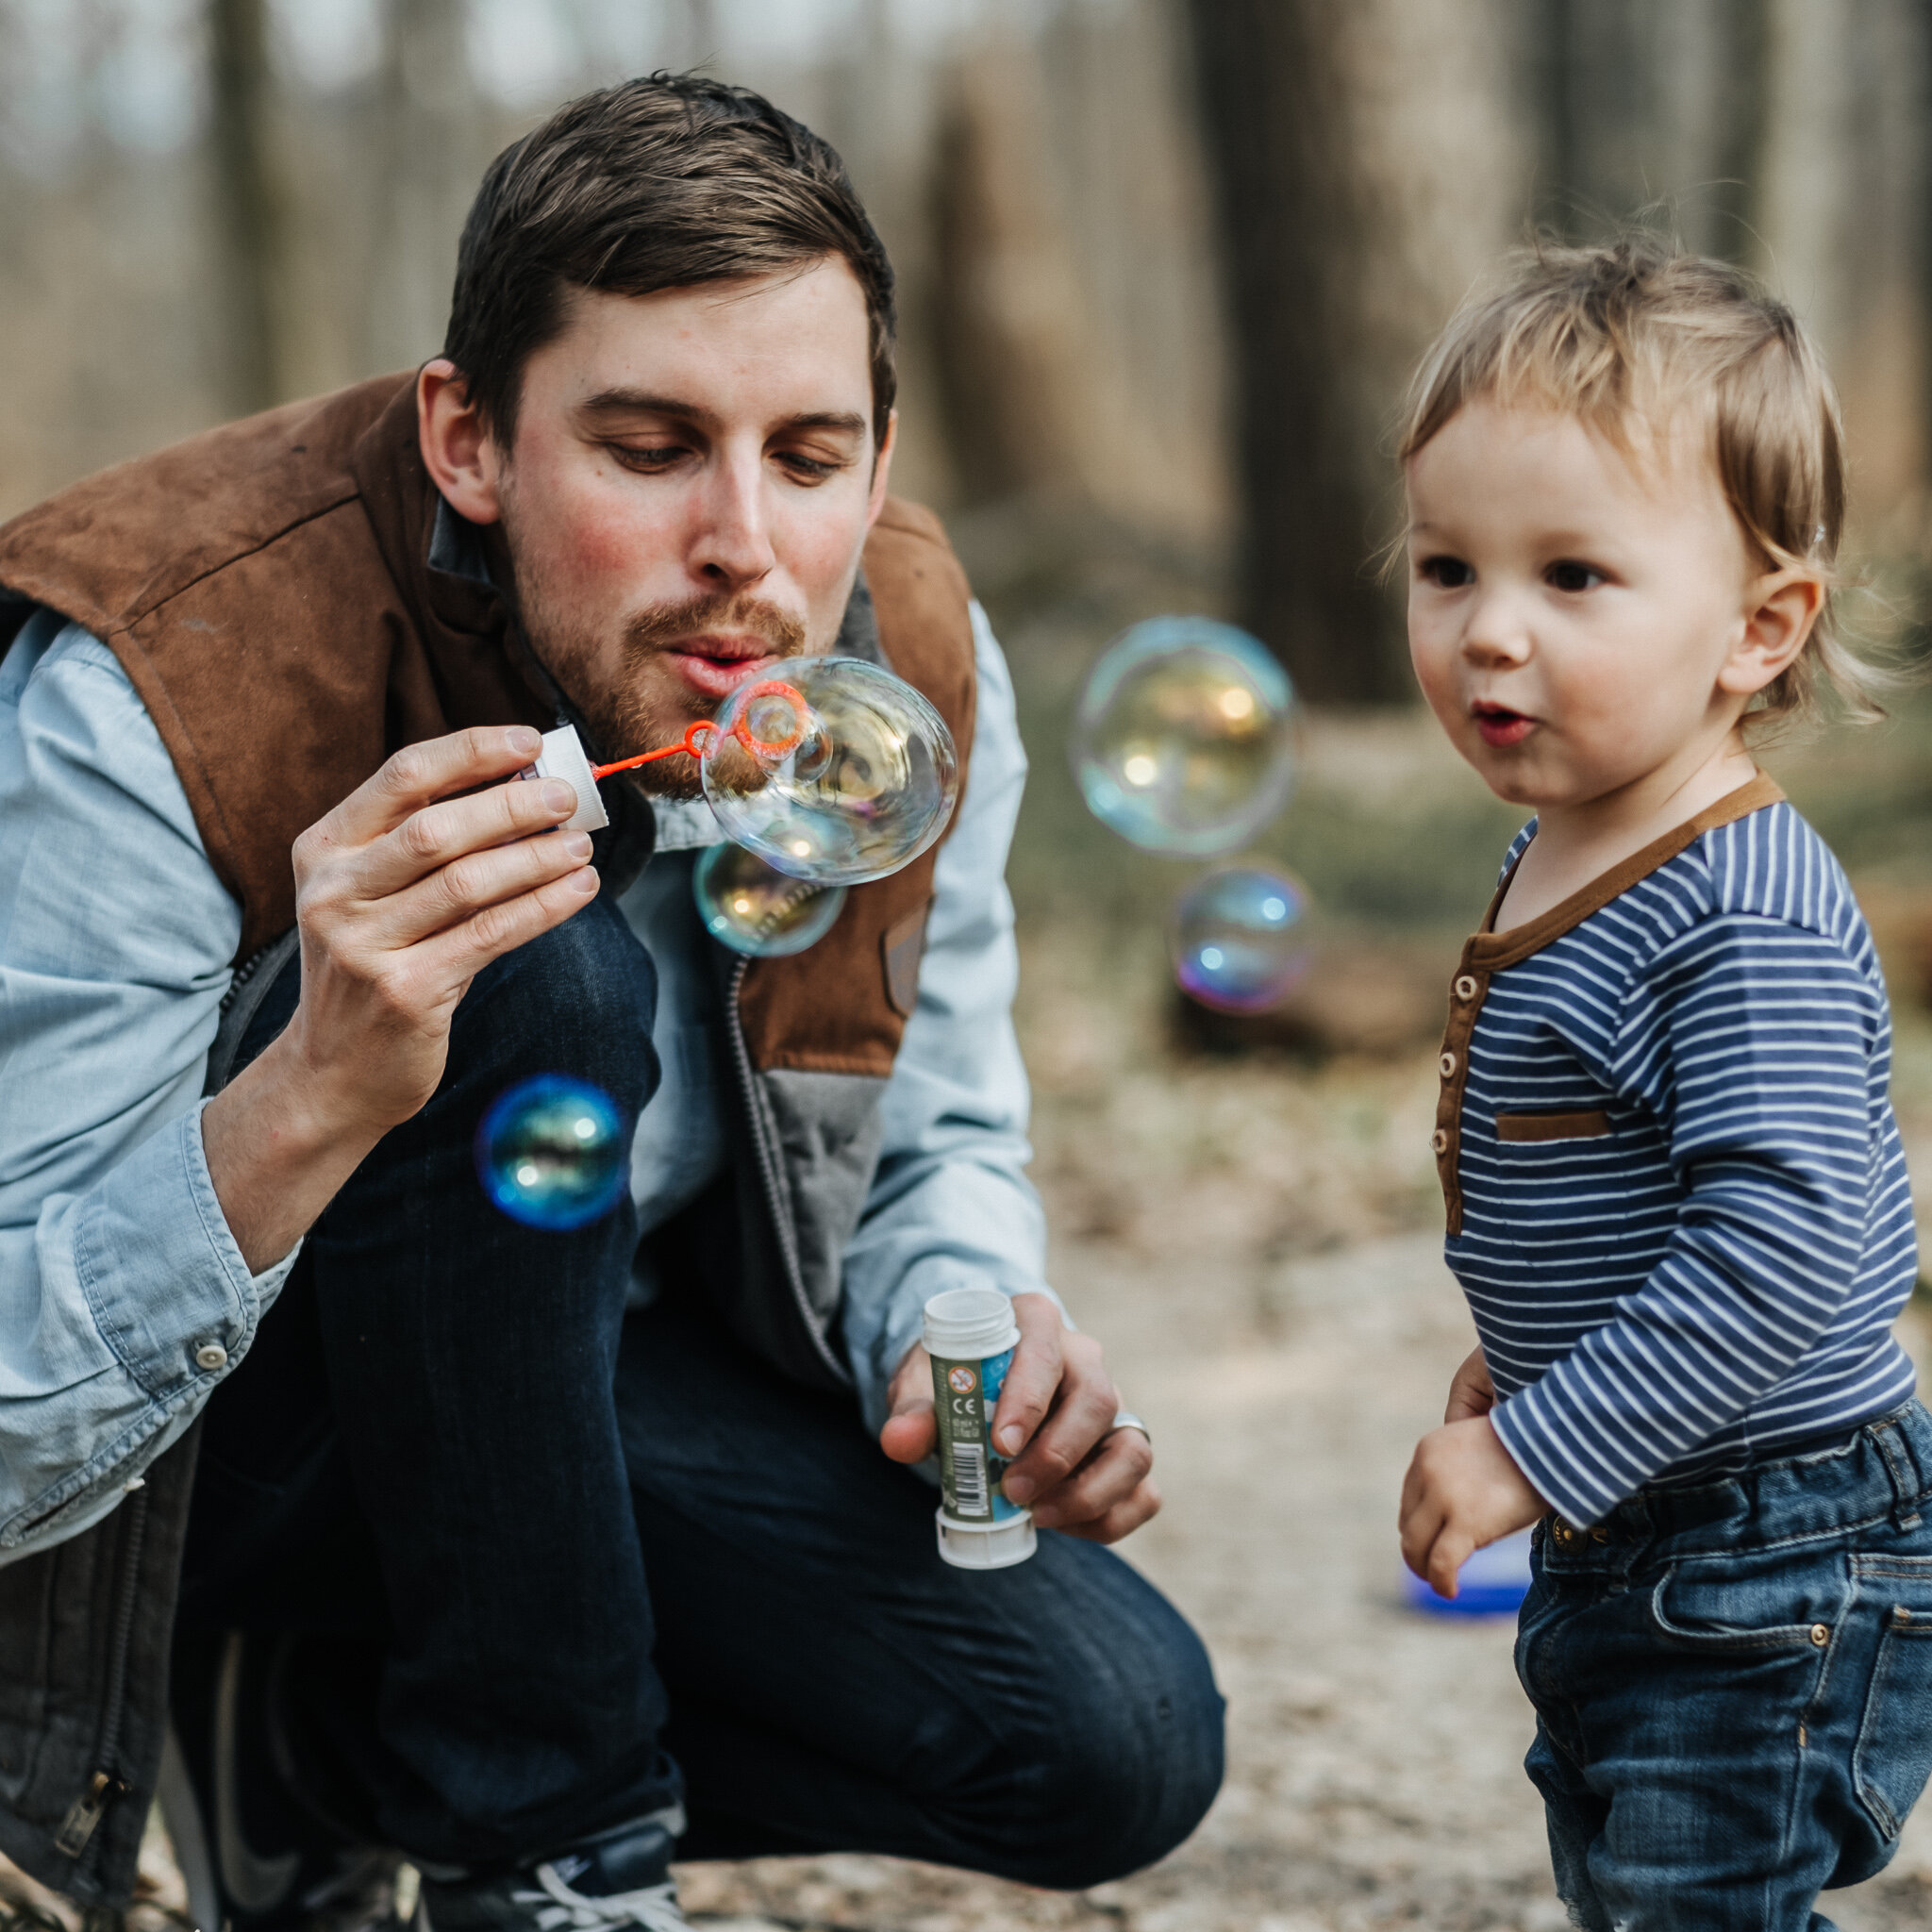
(731, 543)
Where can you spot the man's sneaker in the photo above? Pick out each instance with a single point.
(256, 1855)
(620, 1878)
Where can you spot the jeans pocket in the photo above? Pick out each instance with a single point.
(1761, 1600)
(1892, 1758)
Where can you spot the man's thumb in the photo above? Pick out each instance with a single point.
(910, 1434)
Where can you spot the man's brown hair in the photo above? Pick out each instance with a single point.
(1641, 329)
(660, 183)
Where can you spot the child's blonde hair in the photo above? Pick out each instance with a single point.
(1639, 328)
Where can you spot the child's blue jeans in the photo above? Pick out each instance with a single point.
(1733, 1686)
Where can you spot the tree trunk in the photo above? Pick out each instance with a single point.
(251, 210)
(1295, 225)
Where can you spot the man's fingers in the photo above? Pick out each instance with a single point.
(420, 774)
(467, 885)
(462, 952)
(911, 1431)
(1122, 1520)
(911, 1437)
(1083, 1413)
(441, 834)
(1108, 1477)
(1034, 1376)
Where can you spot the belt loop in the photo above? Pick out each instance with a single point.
(1900, 1467)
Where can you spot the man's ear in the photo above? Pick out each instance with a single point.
(1779, 611)
(881, 471)
(459, 452)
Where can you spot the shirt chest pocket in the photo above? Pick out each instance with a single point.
(1525, 1129)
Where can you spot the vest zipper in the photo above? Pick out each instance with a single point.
(85, 1814)
(768, 1171)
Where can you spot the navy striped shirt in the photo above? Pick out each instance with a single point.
(1685, 1228)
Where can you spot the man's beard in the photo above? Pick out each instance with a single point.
(646, 706)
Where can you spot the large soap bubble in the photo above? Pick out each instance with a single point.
(756, 909)
(554, 1153)
(836, 772)
(1236, 937)
(1183, 741)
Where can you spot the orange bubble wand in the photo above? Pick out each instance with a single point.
(698, 737)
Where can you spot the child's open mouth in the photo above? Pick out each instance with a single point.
(1500, 725)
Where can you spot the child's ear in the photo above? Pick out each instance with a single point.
(1779, 611)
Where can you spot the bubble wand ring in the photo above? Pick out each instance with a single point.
(697, 738)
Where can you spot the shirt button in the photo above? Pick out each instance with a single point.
(212, 1355)
(140, 1482)
(1440, 1140)
(1447, 1063)
(1465, 987)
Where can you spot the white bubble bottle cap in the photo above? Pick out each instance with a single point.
(970, 1324)
(562, 756)
(986, 1545)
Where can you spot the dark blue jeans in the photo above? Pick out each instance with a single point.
(1733, 1686)
(558, 1566)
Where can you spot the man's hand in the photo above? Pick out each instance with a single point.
(1463, 1490)
(419, 879)
(1078, 1473)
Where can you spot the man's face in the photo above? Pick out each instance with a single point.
(690, 481)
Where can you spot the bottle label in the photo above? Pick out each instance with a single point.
(965, 1393)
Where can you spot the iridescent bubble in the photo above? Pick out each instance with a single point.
(553, 1152)
(1183, 740)
(756, 909)
(837, 772)
(1236, 937)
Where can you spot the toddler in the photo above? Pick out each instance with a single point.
(1676, 1199)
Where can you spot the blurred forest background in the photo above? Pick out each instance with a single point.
(1165, 265)
(1164, 268)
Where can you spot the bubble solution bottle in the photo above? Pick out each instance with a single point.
(971, 1334)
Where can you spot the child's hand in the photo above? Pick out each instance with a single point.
(1462, 1491)
(1471, 1391)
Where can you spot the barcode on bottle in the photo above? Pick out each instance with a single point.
(969, 1478)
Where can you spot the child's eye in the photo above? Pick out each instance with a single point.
(1446, 573)
(1570, 576)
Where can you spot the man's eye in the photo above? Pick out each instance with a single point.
(1571, 576)
(659, 456)
(808, 468)
(1446, 572)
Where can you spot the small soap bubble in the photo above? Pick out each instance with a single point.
(1183, 740)
(554, 1153)
(759, 910)
(1236, 937)
(837, 772)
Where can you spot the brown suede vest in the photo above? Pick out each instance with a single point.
(266, 587)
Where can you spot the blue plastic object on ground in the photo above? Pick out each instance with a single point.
(1492, 1583)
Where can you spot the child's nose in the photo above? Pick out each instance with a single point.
(1496, 634)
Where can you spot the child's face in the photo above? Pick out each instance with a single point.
(1571, 610)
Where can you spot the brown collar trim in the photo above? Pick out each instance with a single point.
(1490, 951)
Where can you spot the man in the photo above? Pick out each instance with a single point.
(533, 1556)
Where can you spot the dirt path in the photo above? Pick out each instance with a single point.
(1258, 1247)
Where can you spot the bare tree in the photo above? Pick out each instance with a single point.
(1295, 219)
(250, 206)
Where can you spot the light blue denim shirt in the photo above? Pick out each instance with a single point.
(124, 1299)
